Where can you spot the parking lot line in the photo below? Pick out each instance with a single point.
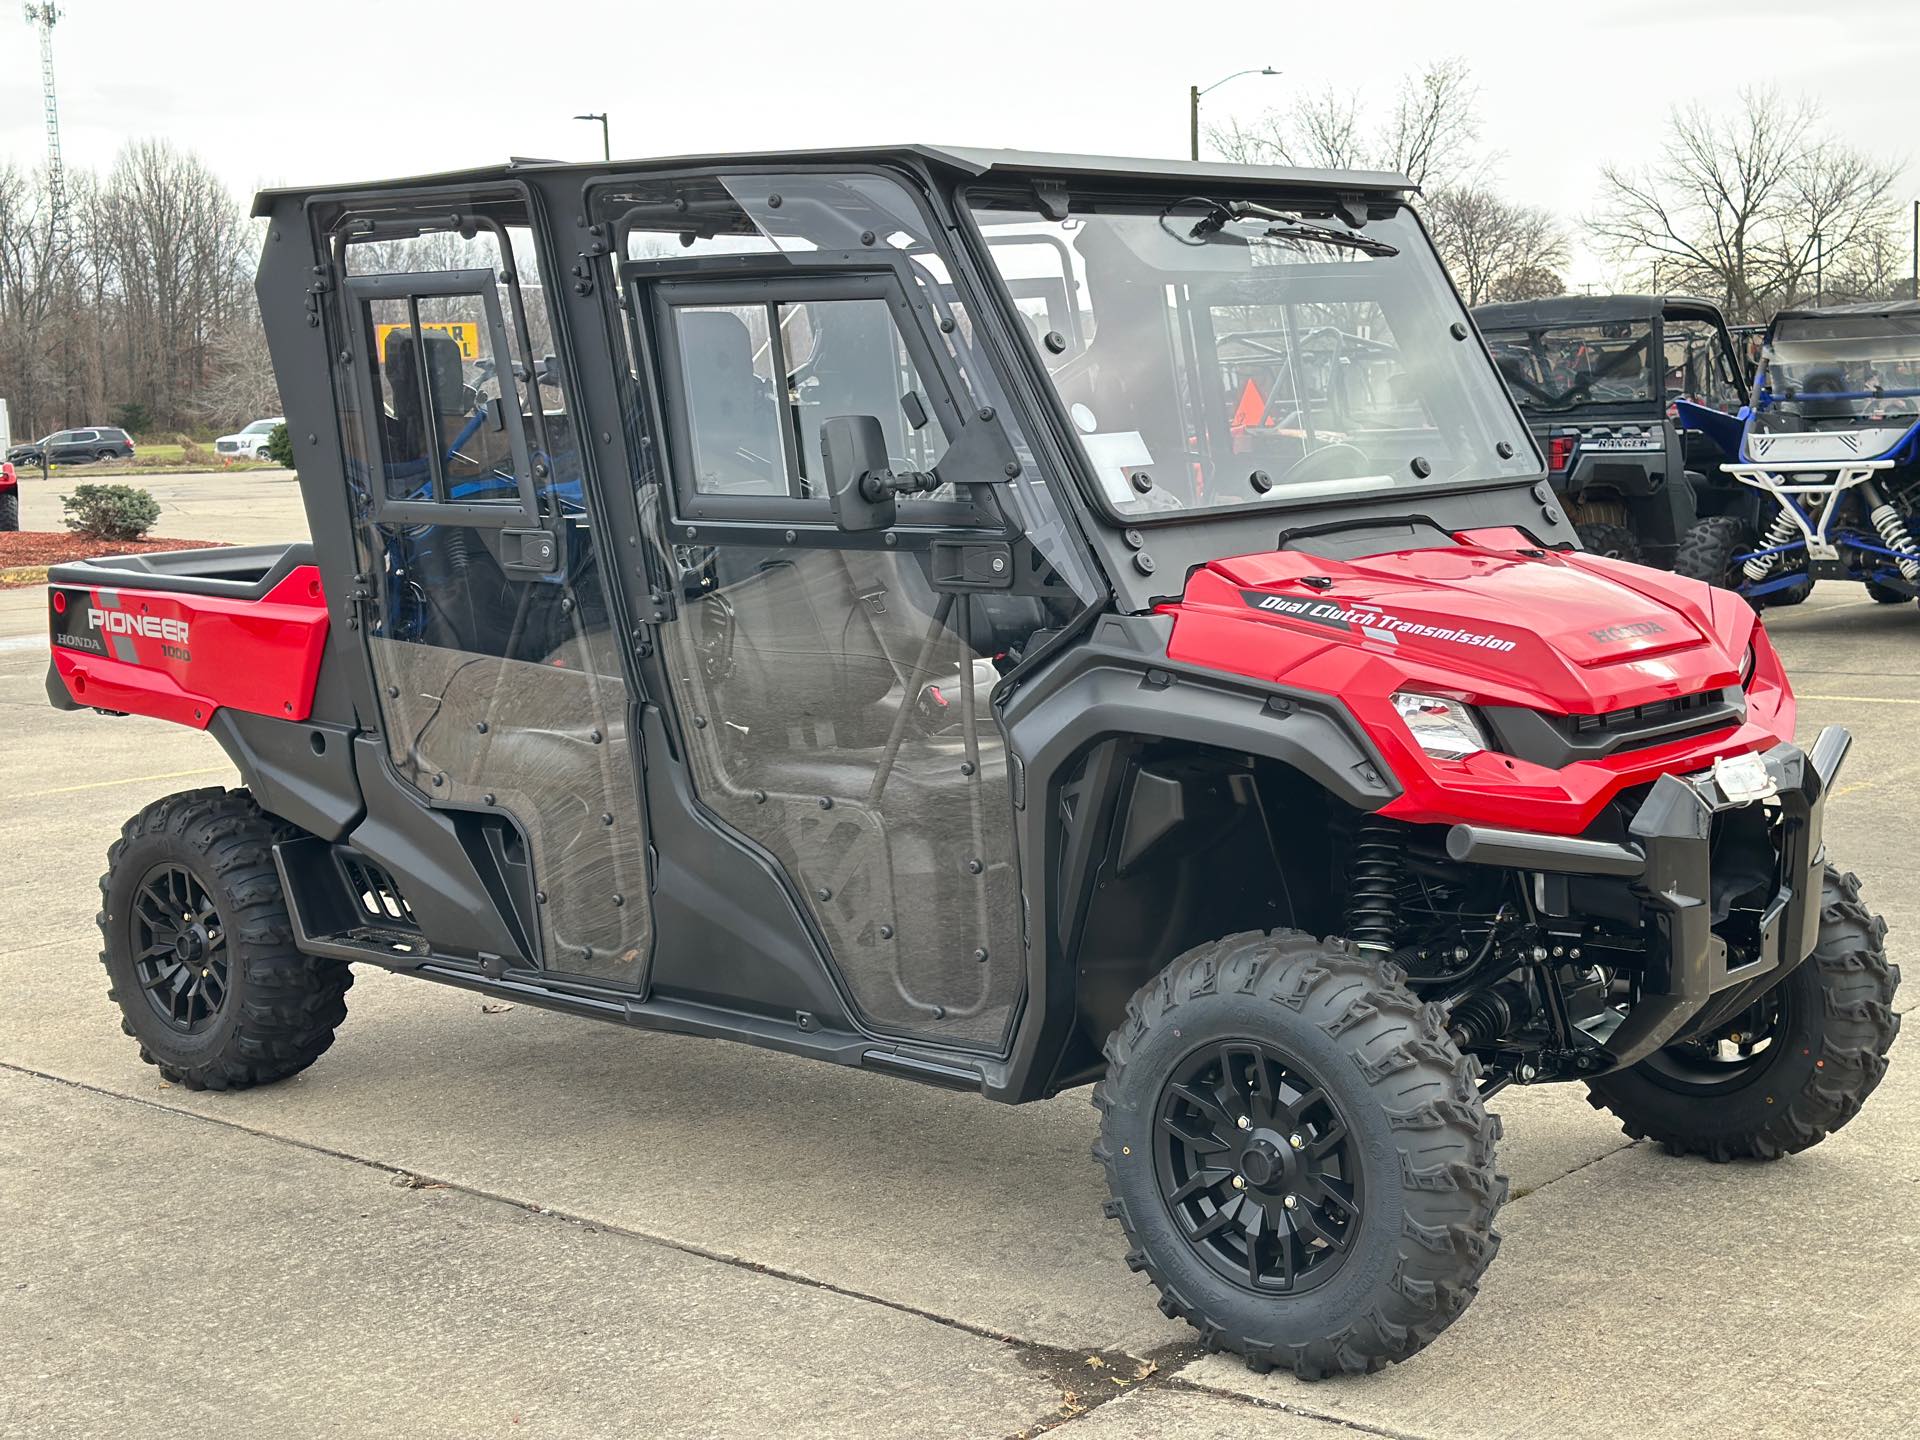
(1864, 699)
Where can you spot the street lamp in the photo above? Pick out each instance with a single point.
(1194, 92)
(606, 146)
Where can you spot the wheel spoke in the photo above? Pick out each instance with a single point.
(1261, 1098)
(1253, 1243)
(1188, 1133)
(1199, 1183)
(1206, 1104)
(1309, 1225)
(1229, 1091)
(1217, 1221)
(1326, 1140)
(160, 977)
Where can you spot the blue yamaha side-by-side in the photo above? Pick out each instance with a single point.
(1829, 446)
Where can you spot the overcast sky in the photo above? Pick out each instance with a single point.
(271, 92)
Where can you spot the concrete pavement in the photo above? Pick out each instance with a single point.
(650, 1234)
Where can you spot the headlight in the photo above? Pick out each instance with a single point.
(1443, 728)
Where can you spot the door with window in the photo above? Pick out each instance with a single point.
(832, 689)
(493, 647)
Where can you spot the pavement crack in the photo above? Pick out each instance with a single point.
(1517, 1196)
(1058, 1363)
(1298, 1411)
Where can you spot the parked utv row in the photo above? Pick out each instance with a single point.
(1667, 446)
(1013, 622)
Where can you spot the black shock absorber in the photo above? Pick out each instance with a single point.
(1375, 880)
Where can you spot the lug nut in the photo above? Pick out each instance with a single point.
(1239, 1182)
(1296, 1142)
(1292, 1202)
(1244, 1123)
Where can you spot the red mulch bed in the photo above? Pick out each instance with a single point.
(32, 551)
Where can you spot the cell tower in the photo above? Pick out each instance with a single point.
(44, 15)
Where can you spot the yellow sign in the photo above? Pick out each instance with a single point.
(463, 333)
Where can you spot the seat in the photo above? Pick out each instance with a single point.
(736, 422)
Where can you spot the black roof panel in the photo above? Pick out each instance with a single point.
(1582, 310)
(962, 159)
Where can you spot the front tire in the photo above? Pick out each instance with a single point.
(1261, 1069)
(10, 510)
(1791, 1069)
(199, 949)
(1886, 594)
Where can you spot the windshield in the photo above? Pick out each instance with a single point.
(1824, 374)
(1563, 367)
(259, 427)
(1213, 355)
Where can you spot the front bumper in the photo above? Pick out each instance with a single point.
(1670, 863)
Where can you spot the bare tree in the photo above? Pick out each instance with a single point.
(1432, 131)
(1496, 250)
(240, 386)
(1742, 207)
(1435, 124)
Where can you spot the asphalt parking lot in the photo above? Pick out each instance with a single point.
(476, 1221)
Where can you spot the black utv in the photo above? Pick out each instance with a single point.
(1597, 377)
(1011, 622)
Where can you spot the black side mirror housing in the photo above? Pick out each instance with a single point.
(854, 448)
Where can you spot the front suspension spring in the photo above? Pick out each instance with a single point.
(1783, 529)
(1895, 536)
(1377, 877)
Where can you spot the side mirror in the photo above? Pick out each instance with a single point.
(854, 449)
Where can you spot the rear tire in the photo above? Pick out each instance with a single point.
(104, 455)
(1286, 1067)
(1707, 549)
(1614, 541)
(10, 510)
(1813, 1049)
(1886, 594)
(199, 950)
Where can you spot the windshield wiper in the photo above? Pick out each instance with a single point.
(1221, 213)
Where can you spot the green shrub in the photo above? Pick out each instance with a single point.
(280, 446)
(133, 417)
(110, 512)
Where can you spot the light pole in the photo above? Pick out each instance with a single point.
(1194, 92)
(606, 146)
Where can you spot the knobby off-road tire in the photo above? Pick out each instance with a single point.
(10, 510)
(1882, 594)
(1706, 553)
(232, 1004)
(1818, 1043)
(1612, 540)
(1707, 549)
(1353, 1066)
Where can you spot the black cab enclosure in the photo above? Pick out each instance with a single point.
(1597, 377)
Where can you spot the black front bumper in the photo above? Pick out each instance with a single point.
(1670, 862)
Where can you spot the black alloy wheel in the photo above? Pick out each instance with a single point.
(179, 948)
(1254, 1162)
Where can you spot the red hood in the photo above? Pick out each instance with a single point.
(1565, 632)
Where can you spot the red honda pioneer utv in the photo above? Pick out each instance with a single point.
(982, 617)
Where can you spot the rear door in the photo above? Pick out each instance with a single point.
(494, 654)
